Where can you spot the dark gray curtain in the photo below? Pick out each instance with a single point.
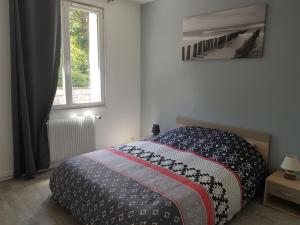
(35, 57)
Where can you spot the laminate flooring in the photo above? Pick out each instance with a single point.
(29, 202)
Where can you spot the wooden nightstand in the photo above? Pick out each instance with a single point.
(283, 194)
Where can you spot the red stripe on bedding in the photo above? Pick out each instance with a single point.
(211, 160)
(196, 187)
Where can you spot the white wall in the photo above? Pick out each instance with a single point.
(6, 152)
(121, 116)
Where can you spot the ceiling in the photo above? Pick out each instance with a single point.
(141, 1)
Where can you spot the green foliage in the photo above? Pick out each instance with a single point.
(79, 41)
(79, 44)
(80, 80)
(60, 76)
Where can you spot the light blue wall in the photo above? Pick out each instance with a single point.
(261, 94)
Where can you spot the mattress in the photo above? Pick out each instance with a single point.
(190, 175)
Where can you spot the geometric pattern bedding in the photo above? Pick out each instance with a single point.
(191, 176)
(226, 148)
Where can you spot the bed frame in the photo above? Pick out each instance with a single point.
(260, 139)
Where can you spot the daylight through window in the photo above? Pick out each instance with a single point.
(81, 76)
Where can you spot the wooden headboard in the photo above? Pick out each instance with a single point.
(260, 139)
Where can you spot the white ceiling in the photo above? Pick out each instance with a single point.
(141, 1)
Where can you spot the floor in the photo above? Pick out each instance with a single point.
(29, 203)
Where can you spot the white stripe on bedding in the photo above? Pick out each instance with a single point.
(225, 176)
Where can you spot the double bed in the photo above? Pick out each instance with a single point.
(198, 174)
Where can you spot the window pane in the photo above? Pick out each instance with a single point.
(60, 96)
(84, 47)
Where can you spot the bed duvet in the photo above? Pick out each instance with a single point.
(191, 176)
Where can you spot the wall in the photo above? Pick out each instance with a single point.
(6, 165)
(121, 116)
(261, 94)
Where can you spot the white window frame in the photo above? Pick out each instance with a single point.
(66, 54)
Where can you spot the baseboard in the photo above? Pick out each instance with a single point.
(10, 175)
(53, 165)
(6, 176)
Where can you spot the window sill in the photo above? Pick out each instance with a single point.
(79, 106)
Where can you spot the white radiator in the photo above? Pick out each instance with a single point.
(70, 137)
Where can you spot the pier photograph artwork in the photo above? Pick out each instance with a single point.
(229, 34)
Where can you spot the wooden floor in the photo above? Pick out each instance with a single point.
(29, 203)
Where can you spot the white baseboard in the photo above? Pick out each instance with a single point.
(6, 176)
(10, 175)
(53, 165)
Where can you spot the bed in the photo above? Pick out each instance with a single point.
(198, 174)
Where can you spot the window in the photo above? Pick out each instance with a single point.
(81, 74)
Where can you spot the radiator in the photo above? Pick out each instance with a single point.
(70, 137)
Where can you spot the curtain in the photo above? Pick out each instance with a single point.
(35, 58)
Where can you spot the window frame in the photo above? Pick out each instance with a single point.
(66, 55)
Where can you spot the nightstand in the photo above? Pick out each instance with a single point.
(283, 194)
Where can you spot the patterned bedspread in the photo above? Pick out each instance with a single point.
(191, 176)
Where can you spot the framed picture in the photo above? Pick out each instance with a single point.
(228, 34)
